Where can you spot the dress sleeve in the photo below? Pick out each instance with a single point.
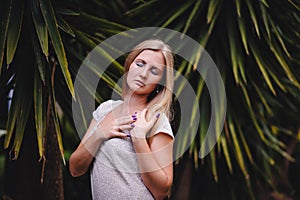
(99, 113)
(163, 126)
(104, 108)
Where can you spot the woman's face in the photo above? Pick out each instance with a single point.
(145, 72)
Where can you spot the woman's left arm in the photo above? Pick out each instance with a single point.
(155, 158)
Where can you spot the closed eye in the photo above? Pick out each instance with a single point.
(155, 71)
(140, 63)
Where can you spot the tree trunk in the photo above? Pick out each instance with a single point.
(23, 176)
(53, 177)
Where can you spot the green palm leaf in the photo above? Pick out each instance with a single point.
(5, 16)
(51, 23)
(40, 108)
(40, 27)
(14, 30)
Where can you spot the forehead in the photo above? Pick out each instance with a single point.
(152, 57)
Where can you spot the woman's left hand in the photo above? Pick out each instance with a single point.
(142, 126)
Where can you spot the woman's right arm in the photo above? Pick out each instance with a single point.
(83, 156)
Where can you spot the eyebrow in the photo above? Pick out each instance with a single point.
(139, 59)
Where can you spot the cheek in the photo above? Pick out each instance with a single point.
(130, 74)
(153, 83)
(155, 79)
(133, 70)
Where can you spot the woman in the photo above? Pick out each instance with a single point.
(129, 143)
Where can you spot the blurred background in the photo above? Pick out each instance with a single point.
(255, 45)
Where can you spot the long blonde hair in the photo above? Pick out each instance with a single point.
(160, 102)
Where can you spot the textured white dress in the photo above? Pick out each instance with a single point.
(115, 172)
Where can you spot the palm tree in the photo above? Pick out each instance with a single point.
(43, 43)
(35, 67)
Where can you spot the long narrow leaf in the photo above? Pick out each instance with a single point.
(212, 19)
(211, 12)
(226, 153)
(191, 16)
(18, 115)
(51, 23)
(14, 29)
(267, 157)
(39, 56)
(212, 156)
(139, 8)
(65, 26)
(243, 32)
(238, 7)
(263, 99)
(261, 64)
(21, 123)
(238, 150)
(40, 111)
(277, 81)
(253, 16)
(295, 5)
(280, 39)
(252, 115)
(234, 51)
(279, 56)
(265, 20)
(91, 44)
(204, 121)
(245, 144)
(177, 13)
(40, 27)
(5, 15)
(19, 99)
(104, 23)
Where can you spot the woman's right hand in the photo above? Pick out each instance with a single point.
(115, 128)
(83, 156)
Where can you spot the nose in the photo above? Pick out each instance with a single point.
(143, 73)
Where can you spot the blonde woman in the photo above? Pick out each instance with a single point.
(129, 143)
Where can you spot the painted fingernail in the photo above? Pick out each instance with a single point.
(135, 112)
(132, 125)
(133, 115)
(134, 118)
(157, 115)
(128, 135)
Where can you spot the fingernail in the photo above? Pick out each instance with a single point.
(128, 135)
(157, 115)
(134, 118)
(133, 115)
(135, 112)
(132, 125)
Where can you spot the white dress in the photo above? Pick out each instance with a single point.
(115, 172)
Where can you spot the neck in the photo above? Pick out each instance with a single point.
(134, 102)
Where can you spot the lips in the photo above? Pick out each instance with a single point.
(139, 83)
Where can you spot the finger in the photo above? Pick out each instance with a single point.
(117, 134)
(126, 127)
(126, 120)
(154, 118)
